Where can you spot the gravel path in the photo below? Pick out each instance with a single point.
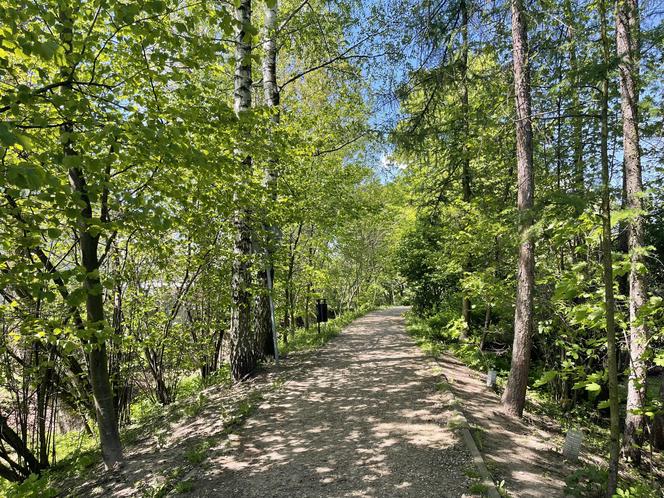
(362, 417)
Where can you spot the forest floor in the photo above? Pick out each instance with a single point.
(523, 454)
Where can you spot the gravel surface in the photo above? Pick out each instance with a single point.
(360, 417)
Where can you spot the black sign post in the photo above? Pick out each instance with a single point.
(321, 312)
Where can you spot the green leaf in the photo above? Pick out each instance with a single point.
(47, 49)
(76, 297)
(26, 177)
(545, 378)
(71, 161)
(659, 360)
(7, 137)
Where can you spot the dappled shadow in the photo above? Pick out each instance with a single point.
(523, 453)
(160, 454)
(363, 418)
(359, 417)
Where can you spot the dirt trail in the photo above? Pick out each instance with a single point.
(523, 453)
(362, 418)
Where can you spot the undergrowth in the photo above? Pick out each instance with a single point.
(79, 451)
(435, 336)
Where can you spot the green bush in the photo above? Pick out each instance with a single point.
(587, 482)
(33, 487)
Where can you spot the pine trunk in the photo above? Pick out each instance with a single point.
(607, 262)
(658, 423)
(465, 159)
(514, 397)
(627, 49)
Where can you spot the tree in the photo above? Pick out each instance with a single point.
(514, 397)
(89, 246)
(466, 308)
(607, 263)
(627, 43)
(243, 347)
(264, 321)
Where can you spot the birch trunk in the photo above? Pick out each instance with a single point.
(263, 316)
(242, 342)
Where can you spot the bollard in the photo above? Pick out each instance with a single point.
(491, 378)
(572, 446)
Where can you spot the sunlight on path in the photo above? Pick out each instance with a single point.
(362, 419)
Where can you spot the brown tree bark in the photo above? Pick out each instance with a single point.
(514, 397)
(465, 159)
(658, 423)
(627, 36)
(607, 263)
(21, 462)
(102, 392)
(578, 176)
(243, 355)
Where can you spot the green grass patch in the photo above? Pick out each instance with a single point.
(184, 487)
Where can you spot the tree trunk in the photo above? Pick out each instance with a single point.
(98, 360)
(607, 261)
(121, 385)
(102, 392)
(658, 423)
(16, 472)
(628, 55)
(578, 176)
(514, 397)
(264, 320)
(465, 159)
(242, 342)
(485, 331)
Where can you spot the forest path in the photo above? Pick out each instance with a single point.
(360, 417)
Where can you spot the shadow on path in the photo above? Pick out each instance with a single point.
(522, 453)
(362, 418)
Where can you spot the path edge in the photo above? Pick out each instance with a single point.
(469, 441)
(478, 460)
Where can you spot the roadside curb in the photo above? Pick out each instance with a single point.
(464, 428)
(478, 460)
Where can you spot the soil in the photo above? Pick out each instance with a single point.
(367, 415)
(525, 454)
(362, 416)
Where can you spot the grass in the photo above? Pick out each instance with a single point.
(435, 338)
(478, 488)
(184, 487)
(198, 454)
